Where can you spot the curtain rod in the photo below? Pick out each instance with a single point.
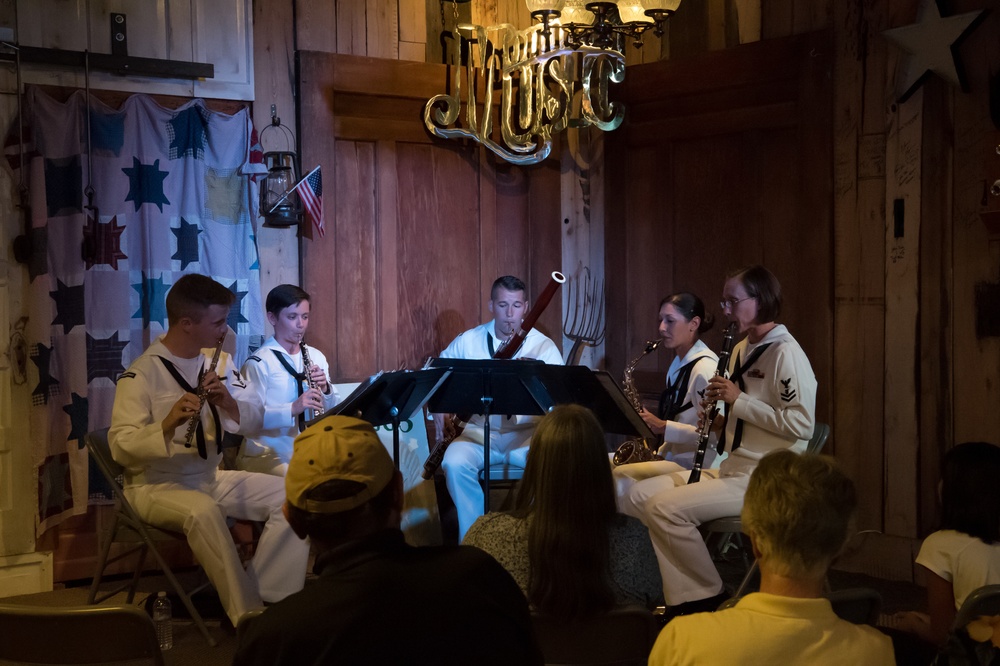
(116, 64)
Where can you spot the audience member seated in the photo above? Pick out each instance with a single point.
(797, 511)
(378, 600)
(565, 543)
(965, 553)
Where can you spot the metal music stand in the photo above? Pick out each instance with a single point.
(389, 397)
(597, 391)
(489, 387)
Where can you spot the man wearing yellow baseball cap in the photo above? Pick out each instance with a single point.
(377, 600)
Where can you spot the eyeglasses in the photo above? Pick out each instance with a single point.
(731, 303)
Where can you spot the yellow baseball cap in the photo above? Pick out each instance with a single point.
(337, 448)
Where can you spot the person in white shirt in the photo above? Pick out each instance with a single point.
(682, 321)
(174, 481)
(509, 436)
(964, 554)
(292, 394)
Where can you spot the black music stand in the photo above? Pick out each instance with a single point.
(489, 387)
(597, 391)
(531, 388)
(387, 398)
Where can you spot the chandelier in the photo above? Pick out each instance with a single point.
(551, 76)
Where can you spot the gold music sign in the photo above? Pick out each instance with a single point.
(551, 84)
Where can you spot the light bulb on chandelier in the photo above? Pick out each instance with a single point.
(603, 24)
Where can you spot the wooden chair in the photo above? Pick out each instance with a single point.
(77, 635)
(141, 538)
(731, 527)
(622, 637)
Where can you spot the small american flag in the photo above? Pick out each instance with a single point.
(310, 190)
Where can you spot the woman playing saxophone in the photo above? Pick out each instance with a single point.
(682, 320)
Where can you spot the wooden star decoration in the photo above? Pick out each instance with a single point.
(932, 44)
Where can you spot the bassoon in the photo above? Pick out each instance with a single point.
(507, 350)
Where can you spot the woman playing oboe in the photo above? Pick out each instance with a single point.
(770, 399)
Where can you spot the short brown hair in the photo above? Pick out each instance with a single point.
(798, 510)
(508, 282)
(192, 294)
(761, 284)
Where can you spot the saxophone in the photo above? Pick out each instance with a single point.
(306, 367)
(636, 450)
(192, 426)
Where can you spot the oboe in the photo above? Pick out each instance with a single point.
(713, 410)
(306, 367)
(202, 395)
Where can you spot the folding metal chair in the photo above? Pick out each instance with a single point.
(127, 527)
(503, 477)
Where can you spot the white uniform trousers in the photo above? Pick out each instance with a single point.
(672, 510)
(626, 476)
(464, 459)
(278, 566)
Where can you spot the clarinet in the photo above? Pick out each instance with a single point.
(202, 396)
(713, 410)
(306, 367)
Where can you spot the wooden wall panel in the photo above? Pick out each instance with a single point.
(935, 390)
(316, 24)
(545, 243)
(351, 27)
(858, 254)
(440, 293)
(355, 226)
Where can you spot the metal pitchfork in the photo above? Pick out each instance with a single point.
(585, 324)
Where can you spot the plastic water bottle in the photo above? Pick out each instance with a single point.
(162, 618)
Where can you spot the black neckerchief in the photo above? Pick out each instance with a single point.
(300, 377)
(489, 344)
(670, 399)
(737, 378)
(200, 432)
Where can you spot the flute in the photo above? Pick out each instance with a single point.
(192, 426)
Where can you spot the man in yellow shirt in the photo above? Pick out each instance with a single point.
(797, 511)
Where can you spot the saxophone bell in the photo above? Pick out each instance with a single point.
(638, 449)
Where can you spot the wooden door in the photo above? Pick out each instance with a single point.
(417, 228)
